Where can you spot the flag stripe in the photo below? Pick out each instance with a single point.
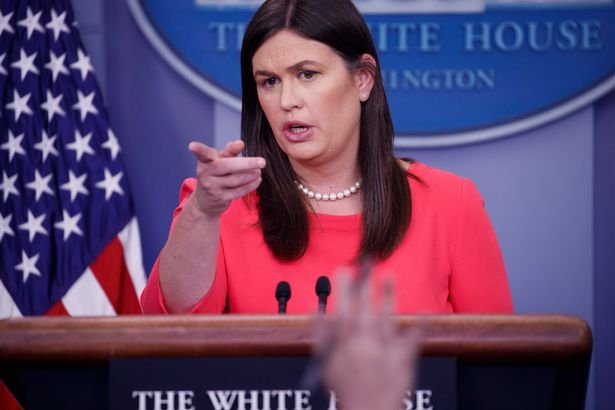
(87, 297)
(57, 310)
(7, 400)
(8, 308)
(131, 242)
(110, 270)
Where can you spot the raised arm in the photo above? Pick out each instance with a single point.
(188, 259)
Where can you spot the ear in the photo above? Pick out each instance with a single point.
(364, 76)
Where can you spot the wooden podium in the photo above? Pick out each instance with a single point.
(501, 360)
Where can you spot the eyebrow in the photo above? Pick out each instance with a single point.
(292, 68)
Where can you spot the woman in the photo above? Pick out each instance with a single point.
(319, 187)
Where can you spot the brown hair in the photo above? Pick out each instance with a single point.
(385, 193)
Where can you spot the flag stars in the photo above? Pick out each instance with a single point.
(75, 185)
(52, 105)
(13, 145)
(81, 145)
(85, 105)
(31, 22)
(46, 145)
(19, 105)
(69, 224)
(5, 24)
(57, 24)
(34, 225)
(82, 64)
(25, 64)
(5, 226)
(28, 265)
(56, 65)
(8, 186)
(111, 184)
(40, 185)
(112, 144)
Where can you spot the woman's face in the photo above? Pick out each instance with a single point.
(311, 100)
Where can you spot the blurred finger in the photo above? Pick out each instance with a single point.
(234, 180)
(388, 295)
(232, 149)
(365, 267)
(226, 166)
(324, 334)
(343, 291)
(344, 297)
(386, 314)
(364, 298)
(202, 152)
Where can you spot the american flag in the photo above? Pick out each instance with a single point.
(69, 240)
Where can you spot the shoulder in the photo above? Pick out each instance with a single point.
(427, 180)
(442, 194)
(434, 175)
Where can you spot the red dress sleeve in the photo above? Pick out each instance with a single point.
(214, 301)
(478, 282)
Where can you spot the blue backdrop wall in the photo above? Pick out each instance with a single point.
(550, 191)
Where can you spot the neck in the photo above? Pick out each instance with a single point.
(328, 178)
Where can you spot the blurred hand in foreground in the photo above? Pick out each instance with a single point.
(368, 362)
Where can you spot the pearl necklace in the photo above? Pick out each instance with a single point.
(353, 189)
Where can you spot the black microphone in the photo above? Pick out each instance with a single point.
(323, 290)
(282, 295)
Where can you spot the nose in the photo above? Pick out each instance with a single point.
(290, 97)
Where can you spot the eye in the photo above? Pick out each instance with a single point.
(269, 82)
(308, 75)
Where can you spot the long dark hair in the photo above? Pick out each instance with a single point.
(385, 193)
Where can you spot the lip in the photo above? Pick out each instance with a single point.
(294, 136)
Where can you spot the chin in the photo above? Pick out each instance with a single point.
(304, 159)
(301, 152)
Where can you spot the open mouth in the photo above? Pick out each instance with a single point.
(297, 131)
